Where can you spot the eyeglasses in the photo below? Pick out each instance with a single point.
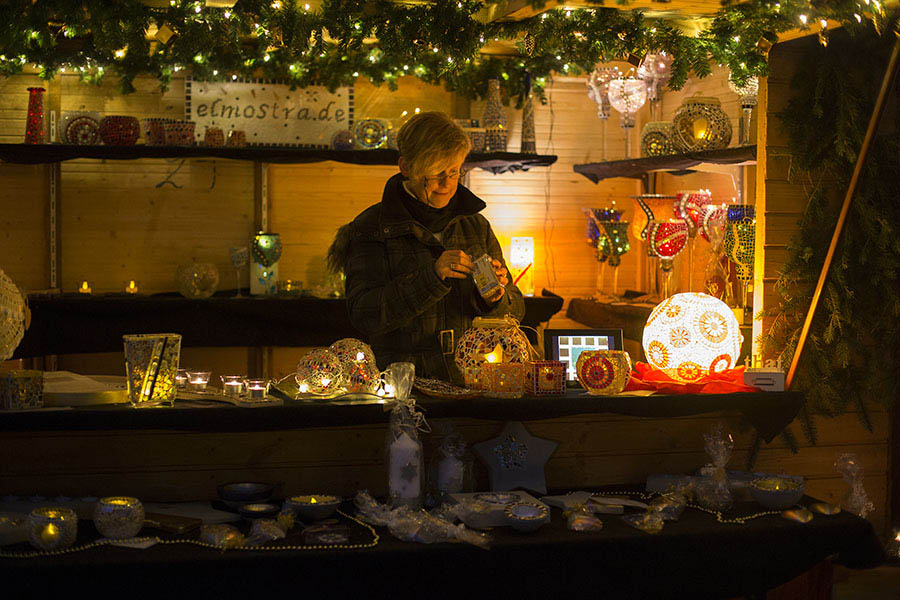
(446, 177)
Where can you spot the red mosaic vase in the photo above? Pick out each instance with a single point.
(34, 127)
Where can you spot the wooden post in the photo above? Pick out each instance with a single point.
(874, 121)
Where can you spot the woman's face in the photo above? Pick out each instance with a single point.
(436, 185)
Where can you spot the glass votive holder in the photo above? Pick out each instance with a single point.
(198, 380)
(52, 528)
(257, 388)
(232, 385)
(119, 517)
(181, 378)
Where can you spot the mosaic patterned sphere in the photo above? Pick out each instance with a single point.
(691, 335)
(370, 133)
(481, 339)
(343, 140)
(319, 372)
(12, 316)
(358, 365)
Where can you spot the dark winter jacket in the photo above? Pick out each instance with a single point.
(394, 296)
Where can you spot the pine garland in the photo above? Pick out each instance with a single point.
(852, 353)
(440, 42)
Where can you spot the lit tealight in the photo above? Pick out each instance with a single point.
(85, 288)
(132, 287)
(495, 356)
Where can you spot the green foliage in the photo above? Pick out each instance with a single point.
(440, 42)
(851, 355)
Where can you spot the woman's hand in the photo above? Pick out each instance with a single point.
(503, 277)
(453, 263)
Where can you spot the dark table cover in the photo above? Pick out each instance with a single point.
(695, 557)
(74, 323)
(496, 162)
(768, 412)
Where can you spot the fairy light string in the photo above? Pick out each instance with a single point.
(439, 42)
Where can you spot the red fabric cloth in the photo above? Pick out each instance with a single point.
(647, 377)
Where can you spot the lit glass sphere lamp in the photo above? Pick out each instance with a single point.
(691, 335)
(749, 94)
(627, 95)
(598, 91)
(740, 242)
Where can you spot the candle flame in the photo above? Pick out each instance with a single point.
(84, 285)
(495, 356)
(304, 388)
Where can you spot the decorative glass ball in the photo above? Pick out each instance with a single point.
(343, 140)
(319, 372)
(197, 280)
(12, 316)
(357, 364)
(691, 335)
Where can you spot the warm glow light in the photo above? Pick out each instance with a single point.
(495, 356)
(360, 356)
(85, 288)
(304, 388)
(521, 264)
(325, 381)
(691, 335)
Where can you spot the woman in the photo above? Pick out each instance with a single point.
(409, 259)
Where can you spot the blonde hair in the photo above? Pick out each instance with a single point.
(431, 139)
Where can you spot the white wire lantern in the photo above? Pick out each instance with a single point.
(627, 95)
(656, 70)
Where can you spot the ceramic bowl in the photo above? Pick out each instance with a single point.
(527, 516)
(312, 507)
(245, 492)
(778, 493)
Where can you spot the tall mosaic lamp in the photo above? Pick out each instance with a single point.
(749, 94)
(627, 95)
(598, 91)
(740, 242)
(691, 335)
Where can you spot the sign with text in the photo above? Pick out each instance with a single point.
(270, 114)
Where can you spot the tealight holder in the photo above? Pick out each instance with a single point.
(526, 516)
(21, 389)
(232, 385)
(258, 510)
(256, 388)
(52, 528)
(545, 377)
(504, 380)
(198, 380)
(131, 286)
(181, 378)
(312, 507)
(603, 372)
(777, 492)
(119, 517)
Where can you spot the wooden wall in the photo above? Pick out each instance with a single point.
(120, 222)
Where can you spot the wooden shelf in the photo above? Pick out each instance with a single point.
(496, 162)
(676, 164)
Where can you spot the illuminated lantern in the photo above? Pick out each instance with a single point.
(360, 373)
(691, 335)
(521, 264)
(489, 341)
(701, 124)
(603, 372)
(319, 372)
